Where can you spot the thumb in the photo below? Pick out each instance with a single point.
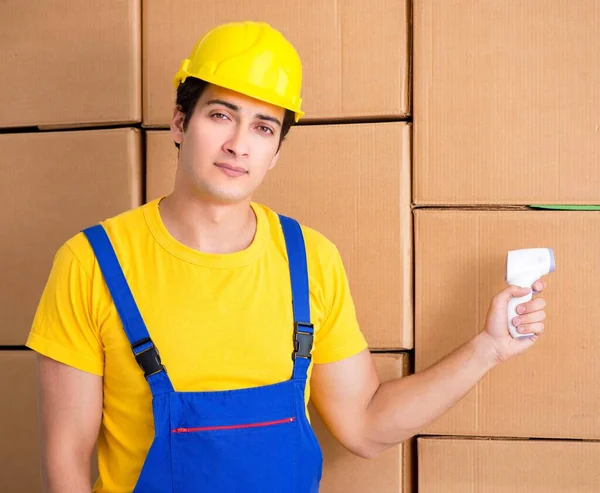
(504, 296)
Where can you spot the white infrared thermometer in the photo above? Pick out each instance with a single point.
(523, 268)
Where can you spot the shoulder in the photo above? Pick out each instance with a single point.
(321, 251)
(120, 229)
(317, 244)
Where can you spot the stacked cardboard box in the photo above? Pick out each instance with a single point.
(456, 465)
(349, 180)
(65, 65)
(357, 174)
(53, 185)
(78, 68)
(344, 472)
(70, 64)
(19, 449)
(354, 54)
(344, 169)
(506, 116)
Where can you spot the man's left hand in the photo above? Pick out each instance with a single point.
(530, 319)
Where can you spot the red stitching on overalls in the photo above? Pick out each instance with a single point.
(233, 427)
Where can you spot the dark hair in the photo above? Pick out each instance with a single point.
(189, 93)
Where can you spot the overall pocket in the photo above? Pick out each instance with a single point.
(258, 456)
(233, 427)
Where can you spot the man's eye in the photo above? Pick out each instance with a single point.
(219, 116)
(264, 129)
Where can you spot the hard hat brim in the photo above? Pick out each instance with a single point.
(248, 90)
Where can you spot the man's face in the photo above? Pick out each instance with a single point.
(230, 144)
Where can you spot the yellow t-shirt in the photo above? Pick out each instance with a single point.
(220, 321)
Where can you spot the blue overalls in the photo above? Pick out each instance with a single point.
(253, 440)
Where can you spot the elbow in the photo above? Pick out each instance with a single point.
(370, 448)
(364, 451)
(360, 446)
(368, 453)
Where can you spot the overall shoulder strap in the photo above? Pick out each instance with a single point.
(142, 346)
(303, 328)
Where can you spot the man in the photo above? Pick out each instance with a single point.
(251, 313)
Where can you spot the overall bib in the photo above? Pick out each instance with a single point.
(252, 440)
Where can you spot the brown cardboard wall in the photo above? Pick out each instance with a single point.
(161, 163)
(53, 185)
(70, 63)
(351, 183)
(19, 428)
(507, 466)
(506, 102)
(553, 389)
(20, 464)
(344, 472)
(355, 55)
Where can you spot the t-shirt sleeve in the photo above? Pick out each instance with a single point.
(63, 327)
(339, 336)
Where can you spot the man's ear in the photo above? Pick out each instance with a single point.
(274, 160)
(177, 125)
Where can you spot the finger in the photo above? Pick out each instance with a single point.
(537, 328)
(504, 296)
(531, 306)
(539, 286)
(530, 318)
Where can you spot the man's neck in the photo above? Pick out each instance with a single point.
(206, 227)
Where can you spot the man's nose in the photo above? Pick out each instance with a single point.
(238, 144)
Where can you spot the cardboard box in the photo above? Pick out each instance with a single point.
(20, 459)
(507, 466)
(53, 185)
(552, 389)
(355, 55)
(506, 102)
(70, 63)
(344, 472)
(351, 182)
(161, 163)
(19, 425)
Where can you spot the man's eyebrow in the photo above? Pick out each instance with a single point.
(227, 104)
(234, 107)
(268, 118)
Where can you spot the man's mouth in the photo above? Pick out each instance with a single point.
(230, 169)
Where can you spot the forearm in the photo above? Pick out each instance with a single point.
(402, 408)
(66, 471)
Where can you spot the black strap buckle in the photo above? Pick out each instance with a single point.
(303, 340)
(149, 359)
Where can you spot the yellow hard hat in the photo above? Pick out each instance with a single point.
(251, 58)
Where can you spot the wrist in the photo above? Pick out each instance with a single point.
(485, 351)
